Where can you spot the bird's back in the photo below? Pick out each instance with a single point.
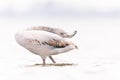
(35, 34)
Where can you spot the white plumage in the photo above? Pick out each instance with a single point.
(43, 43)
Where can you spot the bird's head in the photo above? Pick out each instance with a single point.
(60, 32)
(63, 34)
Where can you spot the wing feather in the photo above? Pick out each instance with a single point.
(57, 43)
(52, 42)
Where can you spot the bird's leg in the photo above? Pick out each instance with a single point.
(52, 59)
(43, 61)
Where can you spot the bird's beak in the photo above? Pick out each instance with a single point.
(70, 36)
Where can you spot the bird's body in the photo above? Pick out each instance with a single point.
(43, 43)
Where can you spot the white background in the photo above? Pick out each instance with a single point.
(98, 39)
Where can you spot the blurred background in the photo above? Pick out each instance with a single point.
(60, 8)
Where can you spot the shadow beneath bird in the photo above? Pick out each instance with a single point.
(57, 64)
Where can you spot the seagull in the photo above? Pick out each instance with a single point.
(44, 43)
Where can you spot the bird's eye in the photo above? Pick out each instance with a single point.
(61, 33)
(67, 44)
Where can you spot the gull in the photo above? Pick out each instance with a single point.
(44, 43)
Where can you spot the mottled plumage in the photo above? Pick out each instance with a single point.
(43, 43)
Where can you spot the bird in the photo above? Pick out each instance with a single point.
(44, 43)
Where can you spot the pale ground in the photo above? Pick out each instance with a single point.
(98, 56)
